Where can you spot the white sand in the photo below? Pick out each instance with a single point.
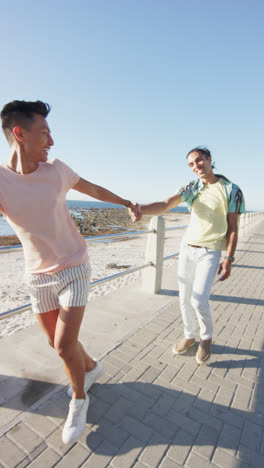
(13, 292)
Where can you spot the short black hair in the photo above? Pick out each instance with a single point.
(203, 151)
(21, 113)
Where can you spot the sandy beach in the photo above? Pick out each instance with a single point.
(106, 259)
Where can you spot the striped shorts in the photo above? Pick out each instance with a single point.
(67, 288)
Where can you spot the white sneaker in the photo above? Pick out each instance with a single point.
(76, 420)
(90, 378)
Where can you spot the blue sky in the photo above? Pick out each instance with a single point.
(135, 84)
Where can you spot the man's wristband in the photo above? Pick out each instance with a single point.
(231, 259)
(128, 204)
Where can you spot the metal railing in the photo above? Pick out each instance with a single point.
(91, 239)
(153, 257)
(19, 248)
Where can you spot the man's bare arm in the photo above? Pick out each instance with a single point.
(100, 193)
(161, 207)
(231, 243)
(156, 208)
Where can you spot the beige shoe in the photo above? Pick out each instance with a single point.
(204, 351)
(183, 346)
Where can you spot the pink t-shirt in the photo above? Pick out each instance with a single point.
(35, 206)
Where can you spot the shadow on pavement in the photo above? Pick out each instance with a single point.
(22, 392)
(132, 415)
(150, 414)
(253, 267)
(219, 298)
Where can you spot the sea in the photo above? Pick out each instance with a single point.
(73, 205)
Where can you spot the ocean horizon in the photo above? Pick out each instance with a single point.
(6, 230)
(73, 204)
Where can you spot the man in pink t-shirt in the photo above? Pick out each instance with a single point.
(33, 198)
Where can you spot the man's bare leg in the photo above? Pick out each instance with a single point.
(62, 328)
(89, 362)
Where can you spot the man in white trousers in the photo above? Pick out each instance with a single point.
(215, 204)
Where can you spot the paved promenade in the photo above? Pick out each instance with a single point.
(150, 409)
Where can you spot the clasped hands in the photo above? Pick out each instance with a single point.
(135, 212)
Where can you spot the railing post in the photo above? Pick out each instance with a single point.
(241, 225)
(246, 223)
(152, 276)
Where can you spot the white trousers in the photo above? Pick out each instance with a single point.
(197, 270)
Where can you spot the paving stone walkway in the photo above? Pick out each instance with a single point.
(153, 409)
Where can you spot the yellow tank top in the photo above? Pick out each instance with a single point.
(208, 223)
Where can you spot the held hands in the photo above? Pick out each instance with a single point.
(225, 269)
(135, 212)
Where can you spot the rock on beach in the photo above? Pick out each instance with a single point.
(96, 222)
(102, 221)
